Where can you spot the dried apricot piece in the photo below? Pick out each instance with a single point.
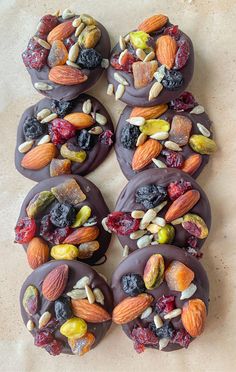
(178, 276)
(69, 192)
(81, 345)
(58, 54)
(180, 130)
(143, 73)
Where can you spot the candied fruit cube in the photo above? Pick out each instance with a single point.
(178, 276)
(69, 192)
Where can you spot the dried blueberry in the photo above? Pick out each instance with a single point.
(166, 331)
(62, 309)
(61, 108)
(150, 195)
(85, 140)
(62, 215)
(172, 79)
(33, 129)
(133, 284)
(89, 59)
(129, 136)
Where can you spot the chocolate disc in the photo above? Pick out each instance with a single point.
(94, 151)
(60, 313)
(198, 288)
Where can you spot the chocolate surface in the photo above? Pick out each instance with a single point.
(67, 93)
(126, 202)
(125, 156)
(94, 200)
(139, 97)
(135, 263)
(77, 270)
(94, 157)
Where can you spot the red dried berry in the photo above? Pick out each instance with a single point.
(192, 241)
(106, 137)
(61, 234)
(127, 61)
(182, 54)
(173, 31)
(69, 42)
(165, 304)
(186, 101)
(43, 338)
(47, 23)
(173, 159)
(54, 348)
(25, 230)
(60, 131)
(182, 338)
(122, 223)
(35, 56)
(143, 336)
(139, 348)
(178, 188)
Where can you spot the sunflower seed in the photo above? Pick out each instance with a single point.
(82, 282)
(160, 136)
(96, 130)
(197, 110)
(140, 54)
(43, 114)
(160, 73)
(172, 146)
(105, 63)
(44, 319)
(144, 241)
(137, 214)
(79, 29)
(158, 321)
(67, 13)
(188, 292)
(99, 118)
(91, 221)
(87, 106)
(122, 43)
(119, 91)
(57, 13)
(159, 163)
(137, 234)
(76, 294)
(146, 313)
(178, 221)
(76, 22)
(155, 90)
(141, 139)
(163, 342)
(44, 139)
(90, 295)
(42, 86)
(122, 54)
(42, 42)
(30, 325)
(159, 207)
(159, 221)
(73, 53)
(173, 314)
(25, 146)
(153, 228)
(147, 218)
(136, 120)
(154, 243)
(127, 38)
(203, 130)
(104, 225)
(110, 89)
(99, 296)
(120, 79)
(125, 251)
(149, 57)
(72, 64)
(49, 118)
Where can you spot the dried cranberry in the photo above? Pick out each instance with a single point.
(35, 56)
(25, 230)
(54, 348)
(192, 242)
(61, 234)
(173, 31)
(182, 338)
(60, 131)
(139, 348)
(47, 23)
(69, 42)
(165, 304)
(182, 54)
(174, 159)
(185, 102)
(143, 336)
(177, 188)
(122, 223)
(127, 61)
(106, 137)
(43, 338)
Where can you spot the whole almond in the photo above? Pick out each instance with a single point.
(61, 32)
(130, 308)
(37, 252)
(80, 120)
(152, 112)
(166, 48)
(153, 23)
(55, 283)
(91, 313)
(192, 163)
(39, 156)
(66, 75)
(144, 153)
(82, 235)
(182, 205)
(194, 316)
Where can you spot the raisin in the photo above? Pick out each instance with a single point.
(61, 108)
(106, 137)
(182, 54)
(89, 59)
(60, 131)
(47, 23)
(126, 63)
(132, 284)
(173, 31)
(86, 141)
(43, 338)
(129, 136)
(177, 188)
(25, 230)
(186, 101)
(54, 348)
(166, 331)
(62, 309)
(172, 80)
(143, 336)
(182, 338)
(150, 195)
(33, 129)
(165, 304)
(122, 223)
(46, 228)
(174, 159)
(35, 56)
(62, 215)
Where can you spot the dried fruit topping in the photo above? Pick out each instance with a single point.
(89, 37)
(195, 226)
(182, 54)
(61, 130)
(166, 48)
(31, 300)
(142, 337)
(74, 328)
(91, 313)
(89, 59)
(55, 282)
(82, 235)
(173, 159)
(61, 108)
(59, 235)
(143, 73)
(43, 338)
(122, 223)
(153, 126)
(54, 348)
(47, 23)
(82, 216)
(185, 102)
(145, 153)
(62, 215)
(178, 276)
(35, 56)
(165, 304)
(182, 205)
(82, 345)
(139, 39)
(33, 129)
(133, 284)
(37, 252)
(130, 308)
(154, 272)
(25, 230)
(86, 141)
(69, 192)
(172, 80)
(60, 166)
(202, 144)
(177, 188)
(194, 316)
(173, 31)
(182, 338)
(166, 331)
(105, 138)
(150, 195)
(126, 62)
(180, 130)
(154, 23)
(166, 234)
(62, 309)
(129, 136)
(39, 202)
(58, 54)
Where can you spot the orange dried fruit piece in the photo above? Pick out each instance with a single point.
(60, 166)
(69, 192)
(181, 127)
(178, 276)
(143, 73)
(82, 345)
(58, 54)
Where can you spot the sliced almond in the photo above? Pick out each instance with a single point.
(146, 313)
(73, 53)
(44, 319)
(110, 89)
(197, 110)
(137, 214)
(119, 91)
(49, 118)
(159, 163)
(158, 321)
(82, 282)
(125, 251)
(42, 86)
(43, 114)
(120, 79)
(99, 296)
(172, 146)
(25, 146)
(137, 234)
(173, 314)
(203, 130)
(77, 294)
(122, 43)
(136, 120)
(87, 106)
(90, 295)
(188, 292)
(99, 118)
(155, 90)
(44, 139)
(30, 325)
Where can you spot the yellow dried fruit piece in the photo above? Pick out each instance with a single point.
(82, 216)
(139, 39)
(58, 54)
(82, 345)
(195, 225)
(166, 234)
(154, 271)
(64, 252)
(74, 328)
(76, 156)
(202, 144)
(153, 126)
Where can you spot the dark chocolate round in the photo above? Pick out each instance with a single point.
(77, 270)
(163, 177)
(125, 156)
(94, 200)
(95, 156)
(136, 262)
